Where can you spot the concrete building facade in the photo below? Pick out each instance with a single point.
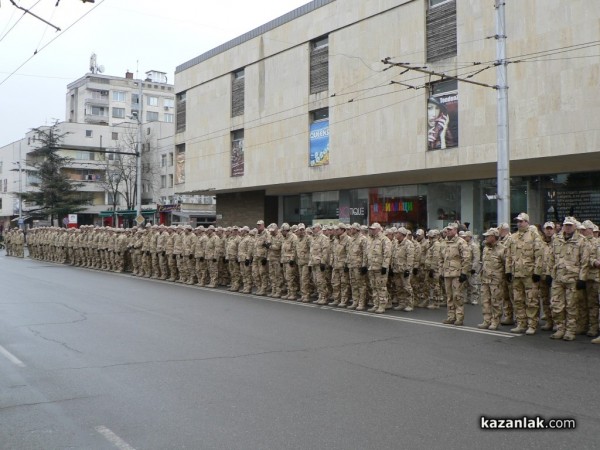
(300, 120)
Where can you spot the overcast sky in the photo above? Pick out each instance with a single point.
(134, 35)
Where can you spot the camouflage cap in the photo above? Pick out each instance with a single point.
(375, 226)
(492, 232)
(403, 230)
(588, 224)
(523, 216)
(452, 226)
(285, 227)
(569, 221)
(549, 225)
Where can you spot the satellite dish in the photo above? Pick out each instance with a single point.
(100, 69)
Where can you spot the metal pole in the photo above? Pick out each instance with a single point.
(503, 152)
(139, 151)
(21, 225)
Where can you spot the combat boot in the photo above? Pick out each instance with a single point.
(530, 331)
(433, 306)
(592, 332)
(507, 321)
(518, 329)
(559, 334)
(334, 303)
(423, 304)
(449, 321)
(569, 336)
(458, 323)
(408, 309)
(360, 308)
(343, 304)
(380, 310)
(548, 326)
(484, 326)
(595, 341)
(353, 305)
(399, 308)
(493, 326)
(372, 309)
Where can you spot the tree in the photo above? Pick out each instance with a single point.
(121, 170)
(56, 195)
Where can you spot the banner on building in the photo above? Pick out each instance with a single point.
(237, 158)
(319, 143)
(442, 121)
(180, 167)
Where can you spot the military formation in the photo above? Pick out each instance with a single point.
(520, 278)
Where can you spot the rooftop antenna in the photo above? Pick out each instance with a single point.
(94, 67)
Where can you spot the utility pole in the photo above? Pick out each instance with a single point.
(139, 151)
(503, 152)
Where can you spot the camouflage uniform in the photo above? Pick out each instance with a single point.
(340, 279)
(524, 260)
(455, 263)
(492, 276)
(403, 262)
(319, 257)
(288, 259)
(569, 263)
(379, 252)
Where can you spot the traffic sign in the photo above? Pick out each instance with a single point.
(140, 219)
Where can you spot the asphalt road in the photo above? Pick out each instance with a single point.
(94, 360)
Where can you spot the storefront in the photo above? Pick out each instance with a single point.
(473, 203)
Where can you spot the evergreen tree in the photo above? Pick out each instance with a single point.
(56, 195)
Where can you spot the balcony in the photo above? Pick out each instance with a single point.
(93, 118)
(102, 101)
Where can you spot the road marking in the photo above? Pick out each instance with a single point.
(113, 438)
(12, 358)
(435, 324)
(502, 334)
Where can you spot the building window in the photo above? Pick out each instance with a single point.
(88, 133)
(170, 180)
(237, 93)
(237, 153)
(169, 103)
(180, 119)
(163, 181)
(163, 160)
(169, 118)
(319, 138)
(118, 96)
(180, 164)
(152, 101)
(115, 136)
(151, 116)
(442, 115)
(441, 30)
(171, 159)
(319, 65)
(118, 113)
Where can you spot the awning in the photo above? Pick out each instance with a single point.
(127, 213)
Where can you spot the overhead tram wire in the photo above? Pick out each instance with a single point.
(50, 42)
(223, 132)
(18, 20)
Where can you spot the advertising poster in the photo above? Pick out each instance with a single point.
(180, 167)
(319, 143)
(237, 158)
(442, 121)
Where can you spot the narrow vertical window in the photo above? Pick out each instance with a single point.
(319, 65)
(441, 30)
(237, 93)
